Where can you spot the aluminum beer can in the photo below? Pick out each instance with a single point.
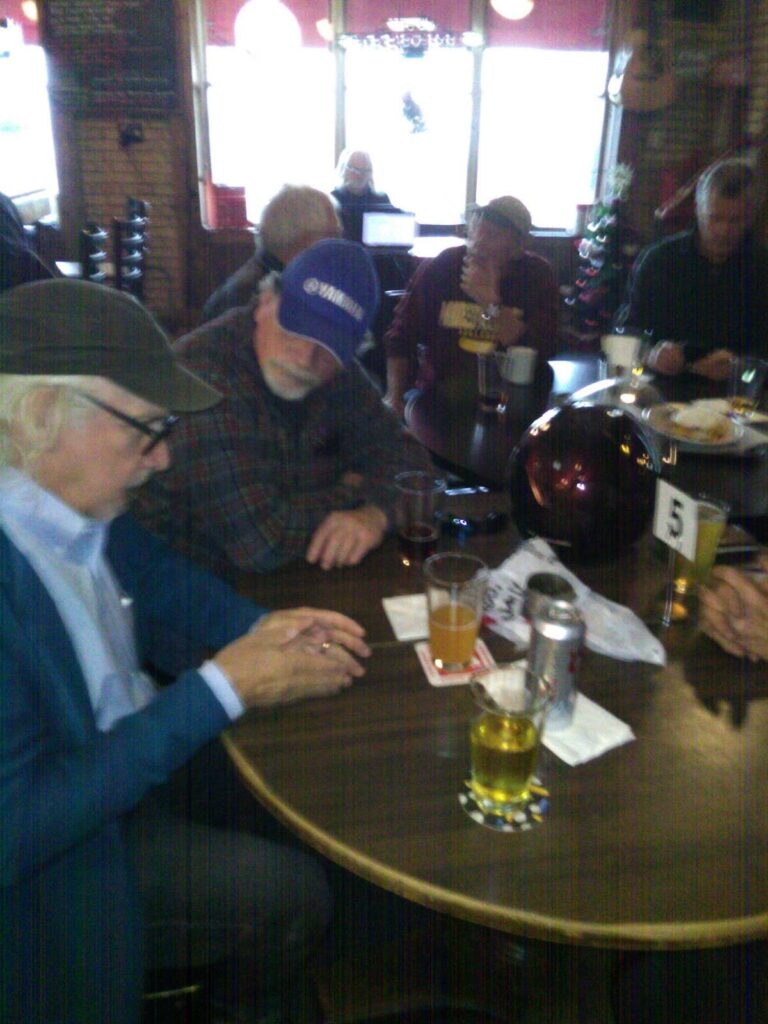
(557, 639)
(542, 587)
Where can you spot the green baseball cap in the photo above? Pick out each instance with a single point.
(61, 326)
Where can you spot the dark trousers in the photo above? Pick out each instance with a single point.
(226, 889)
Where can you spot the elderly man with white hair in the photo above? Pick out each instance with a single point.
(97, 852)
(703, 293)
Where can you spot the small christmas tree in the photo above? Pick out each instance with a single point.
(606, 252)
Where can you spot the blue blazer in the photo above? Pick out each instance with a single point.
(70, 924)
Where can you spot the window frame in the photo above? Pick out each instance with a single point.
(607, 146)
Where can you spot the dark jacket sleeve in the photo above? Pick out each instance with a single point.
(181, 611)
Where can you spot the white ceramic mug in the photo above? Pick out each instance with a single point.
(622, 352)
(517, 364)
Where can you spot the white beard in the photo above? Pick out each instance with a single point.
(276, 377)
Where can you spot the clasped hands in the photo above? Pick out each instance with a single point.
(734, 610)
(293, 654)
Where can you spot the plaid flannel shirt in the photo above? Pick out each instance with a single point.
(253, 477)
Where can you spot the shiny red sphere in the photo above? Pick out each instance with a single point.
(586, 475)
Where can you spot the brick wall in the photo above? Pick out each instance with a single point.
(147, 170)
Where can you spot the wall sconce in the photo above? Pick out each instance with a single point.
(324, 29)
(513, 10)
(266, 27)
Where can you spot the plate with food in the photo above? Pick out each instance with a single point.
(693, 424)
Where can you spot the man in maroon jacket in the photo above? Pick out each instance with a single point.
(491, 293)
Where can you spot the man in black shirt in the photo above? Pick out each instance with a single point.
(702, 293)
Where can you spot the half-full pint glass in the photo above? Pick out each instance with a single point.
(455, 585)
(505, 738)
(712, 517)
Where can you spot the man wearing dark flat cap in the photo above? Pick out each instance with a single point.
(104, 868)
(491, 293)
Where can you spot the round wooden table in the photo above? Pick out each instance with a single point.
(661, 843)
(445, 417)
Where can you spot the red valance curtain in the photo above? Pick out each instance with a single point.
(220, 19)
(12, 9)
(555, 24)
(552, 24)
(371, 15)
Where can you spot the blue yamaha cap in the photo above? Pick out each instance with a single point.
(329, 294)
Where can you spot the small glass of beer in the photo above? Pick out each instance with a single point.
(455, 585)
(712, 517)
(746, 385)
(419, 507)
(505, 738)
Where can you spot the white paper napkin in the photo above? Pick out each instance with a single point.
(592, 732)
(407, 615)
(612, 629)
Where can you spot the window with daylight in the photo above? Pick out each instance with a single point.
(545, 147)
(283, 95)
(27, 160)
(414, 117)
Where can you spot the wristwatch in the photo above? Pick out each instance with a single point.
(491, 312)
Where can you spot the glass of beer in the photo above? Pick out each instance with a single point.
(455, 585)
(712, 517)
(419, 507)
(505, 738)
(746, 385)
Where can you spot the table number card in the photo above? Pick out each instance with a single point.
(675, 520)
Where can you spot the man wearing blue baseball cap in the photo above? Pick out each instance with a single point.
(299, 458)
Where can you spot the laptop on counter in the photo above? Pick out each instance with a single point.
(388, 231)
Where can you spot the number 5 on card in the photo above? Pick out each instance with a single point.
(675, 520)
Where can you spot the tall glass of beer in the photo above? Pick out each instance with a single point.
(505, 738)
(455, 585)
(712, 517)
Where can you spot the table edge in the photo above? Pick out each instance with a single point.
(633, 935)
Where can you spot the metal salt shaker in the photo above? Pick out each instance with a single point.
(557, 639)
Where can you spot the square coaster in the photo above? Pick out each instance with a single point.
(482, 658)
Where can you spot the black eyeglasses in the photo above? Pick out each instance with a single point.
(155, 434)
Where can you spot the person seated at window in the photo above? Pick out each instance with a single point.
(19, 263)
(355, 192)
(734, 610)
(703, 293)
(492, 291)
(297, 217)
(299, 459)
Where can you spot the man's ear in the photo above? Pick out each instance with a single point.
(40, 405)
(36, 415)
